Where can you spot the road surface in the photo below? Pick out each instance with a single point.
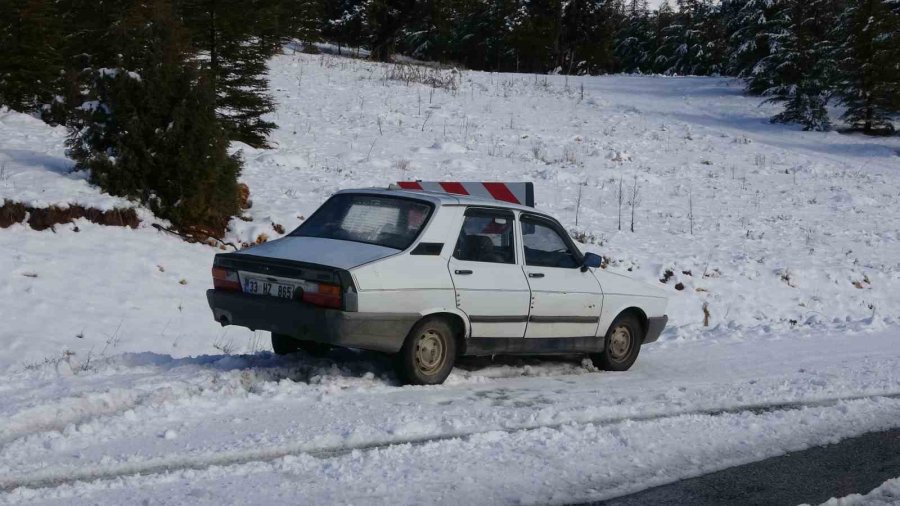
(853, 466)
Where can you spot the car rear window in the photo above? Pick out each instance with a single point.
(373, 219)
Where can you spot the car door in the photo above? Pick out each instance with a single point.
(565, 301)
(490, 285)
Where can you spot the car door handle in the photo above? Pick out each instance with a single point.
(462, 272)
(535, 274)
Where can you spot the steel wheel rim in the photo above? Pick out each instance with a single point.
(430, 352)
(620, 343)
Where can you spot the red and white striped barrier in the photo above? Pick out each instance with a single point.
(516, 193)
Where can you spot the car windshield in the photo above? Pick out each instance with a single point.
(385, 221)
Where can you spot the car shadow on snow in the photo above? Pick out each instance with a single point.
(265, 366)
(347, 365)
(60, 165)
(337, 366)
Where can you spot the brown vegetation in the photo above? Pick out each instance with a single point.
(42, 218)
(244, 196)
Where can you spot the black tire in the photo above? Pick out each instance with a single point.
(618, 355)
(428, 354)
(314, 348)
(283, 344)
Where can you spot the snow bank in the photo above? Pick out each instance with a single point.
(34, 170)
(888, 494)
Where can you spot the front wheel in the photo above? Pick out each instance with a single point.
(621, 346)
(428, 354)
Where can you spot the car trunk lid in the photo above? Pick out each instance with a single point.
(319, 251)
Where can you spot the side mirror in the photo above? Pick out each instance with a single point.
(591, 260)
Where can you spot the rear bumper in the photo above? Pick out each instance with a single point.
(368, 331)
(655, 326)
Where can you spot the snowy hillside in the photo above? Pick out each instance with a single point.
(793, 232)
(117, 384)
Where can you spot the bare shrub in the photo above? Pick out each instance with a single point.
(539, 152)
(402, 164)
(585, 237)
(570, 154)
(447, 79)
(634, 201)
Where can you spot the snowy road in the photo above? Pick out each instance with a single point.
(812, 476)
(338, 429)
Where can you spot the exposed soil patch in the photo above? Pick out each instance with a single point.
(11, 212)
(42, 218)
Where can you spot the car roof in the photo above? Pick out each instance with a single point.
(446, 199)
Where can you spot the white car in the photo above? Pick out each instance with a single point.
(430, 276)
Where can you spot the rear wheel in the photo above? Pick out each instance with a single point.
(621, 346)
(428, 354)
(283, 344)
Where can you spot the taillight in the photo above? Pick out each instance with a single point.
(323, 294)
(225, 279)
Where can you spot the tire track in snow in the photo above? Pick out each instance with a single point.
(69, 410)
(59, 413)
(56, 416)
(54, 478)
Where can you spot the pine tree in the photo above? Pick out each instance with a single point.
(387, 20)
(634, 45)
(241, 75)
(661, 23)
(749, 42)
(481, 35)
(429, 31)
(589, 36)
(894, 6)
(692, 43)
(346, 22)
(91, 37)
(151, 132)
(31, 67)
(802, 64)
(711, 25)
(268, 27)
(535, 35)
(301, 19)
(869, 63)
(681, 42)
(237, 56)
(94, 32)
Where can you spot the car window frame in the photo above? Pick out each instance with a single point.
(556, 227)
(496, 212)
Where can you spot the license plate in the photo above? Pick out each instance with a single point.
(260, 286)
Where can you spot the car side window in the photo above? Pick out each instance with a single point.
(486, 236)
(545, 247)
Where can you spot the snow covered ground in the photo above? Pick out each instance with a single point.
(113, 372)
(260, 429)
(34, 169)
(887, 494)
